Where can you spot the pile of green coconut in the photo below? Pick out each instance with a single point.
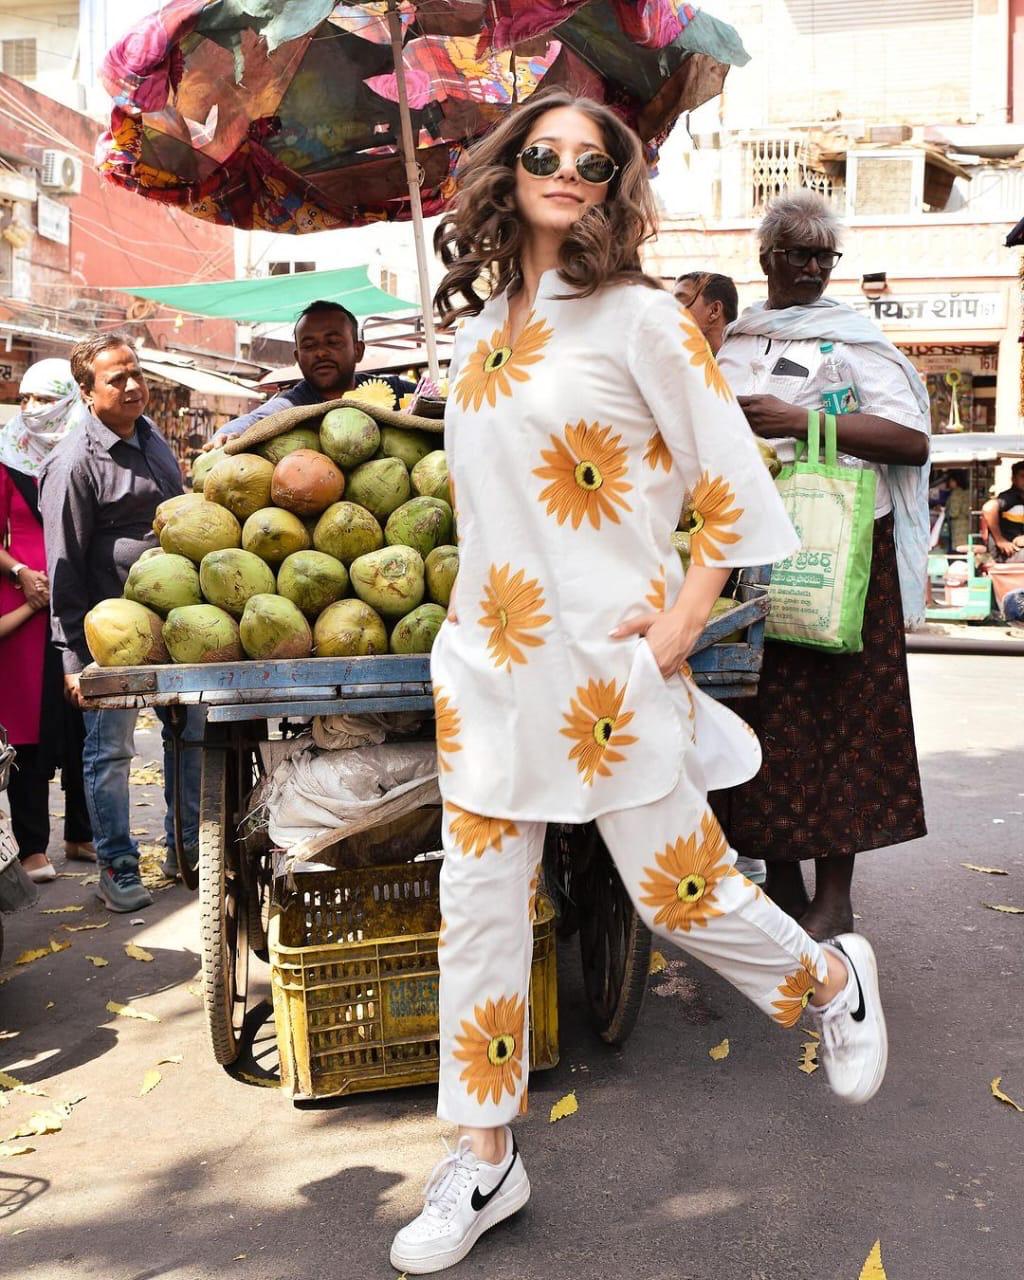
(336, 541)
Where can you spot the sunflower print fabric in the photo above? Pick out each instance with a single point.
(474, 834)
(794, 994)
(595, 723)
(711, 520)
(696, 347)
(496, 366)
(511, 610)
(446, 727)
(682, 884)
(587, 470)
(572, 449)
(491, 1046)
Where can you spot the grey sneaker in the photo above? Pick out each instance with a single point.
(120, 887)
(169, 866)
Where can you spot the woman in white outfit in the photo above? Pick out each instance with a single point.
(584, 405)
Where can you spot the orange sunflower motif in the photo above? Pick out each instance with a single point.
(587, 471)
(475, 834)
(512, 609)
(595, 721)
(656, 595)
(447, 725)
(712, 512)
(796, 993)
(657, 453)
(492, 369)
(696, 347)
(683, 889)
(492, 1048)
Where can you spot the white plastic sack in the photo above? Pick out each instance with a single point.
(318, 797)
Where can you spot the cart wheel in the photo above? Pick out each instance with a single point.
(559, 860)
(222, 905)
(615, 944)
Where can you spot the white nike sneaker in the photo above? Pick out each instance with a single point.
(854, 1047)
(464, 1198)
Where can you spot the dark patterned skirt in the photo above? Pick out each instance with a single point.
(840, 772)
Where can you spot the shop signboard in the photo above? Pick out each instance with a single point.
(961, 311)
(53, 220)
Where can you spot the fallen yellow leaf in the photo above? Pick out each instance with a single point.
(50, 1004)
(808, 1063)
(998, 1093)
(71, 875)
(135, 952)
(98, 961)
(39, 1123)
(91, 880)
(194, 990)
(720, 1051)
(988, 871)
(84, 928)
(128, 1011)
(60, 911)
(1010, 911)
(9, 1082)
(27, 957)
(658, 962)
(9, 1149)
(872, 1268)
(564, 1107)
(149, 1082)
(239, 1256)
(172, 1060)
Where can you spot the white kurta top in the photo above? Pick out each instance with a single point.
(748, 361)
(570, 454)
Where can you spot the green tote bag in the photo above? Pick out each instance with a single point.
(817, 594)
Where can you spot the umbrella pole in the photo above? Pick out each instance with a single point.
(412, 174)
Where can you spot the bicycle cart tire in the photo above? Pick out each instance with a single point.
(224, 929)
(615, 944)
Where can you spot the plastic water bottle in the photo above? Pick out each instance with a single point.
(839, 395)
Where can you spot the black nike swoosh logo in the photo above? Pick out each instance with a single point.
(481, 1200)
(859, 1013)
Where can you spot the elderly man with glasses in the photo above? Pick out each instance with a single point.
(840, 771)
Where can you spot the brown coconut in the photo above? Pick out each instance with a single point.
(306, 482)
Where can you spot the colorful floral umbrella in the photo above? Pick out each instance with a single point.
(307, 115)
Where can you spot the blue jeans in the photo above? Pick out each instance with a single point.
(106, 761)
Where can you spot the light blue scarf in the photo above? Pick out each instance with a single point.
(829, 321)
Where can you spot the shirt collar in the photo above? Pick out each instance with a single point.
(106, 438)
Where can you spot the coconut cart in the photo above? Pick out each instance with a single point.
(241, 907)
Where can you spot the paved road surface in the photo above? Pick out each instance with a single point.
(675, 1168)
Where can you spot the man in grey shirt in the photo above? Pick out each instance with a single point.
(99, 491)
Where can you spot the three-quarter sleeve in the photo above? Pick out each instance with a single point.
(738, 516)
(67, 504)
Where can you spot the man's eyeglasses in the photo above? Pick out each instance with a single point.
(825, 258)
(542, 161)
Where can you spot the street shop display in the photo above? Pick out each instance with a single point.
(333, 536)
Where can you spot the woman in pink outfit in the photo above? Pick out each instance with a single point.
(46, 732)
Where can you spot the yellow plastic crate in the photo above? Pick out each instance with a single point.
(353, 957)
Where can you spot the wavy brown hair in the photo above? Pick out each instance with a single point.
(481, 237)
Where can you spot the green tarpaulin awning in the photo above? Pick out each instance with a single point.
(276, 299)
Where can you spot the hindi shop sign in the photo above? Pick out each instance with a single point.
(936, 310)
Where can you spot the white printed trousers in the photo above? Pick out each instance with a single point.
(679, 871)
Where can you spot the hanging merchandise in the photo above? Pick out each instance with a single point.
(953, 380)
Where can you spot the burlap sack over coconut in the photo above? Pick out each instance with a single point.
(275, 424)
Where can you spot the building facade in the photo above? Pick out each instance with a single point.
(909, 118)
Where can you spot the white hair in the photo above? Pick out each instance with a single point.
(802, 218)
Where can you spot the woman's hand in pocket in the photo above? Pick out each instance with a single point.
(671, 637)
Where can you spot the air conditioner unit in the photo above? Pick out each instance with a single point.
(61, 172)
